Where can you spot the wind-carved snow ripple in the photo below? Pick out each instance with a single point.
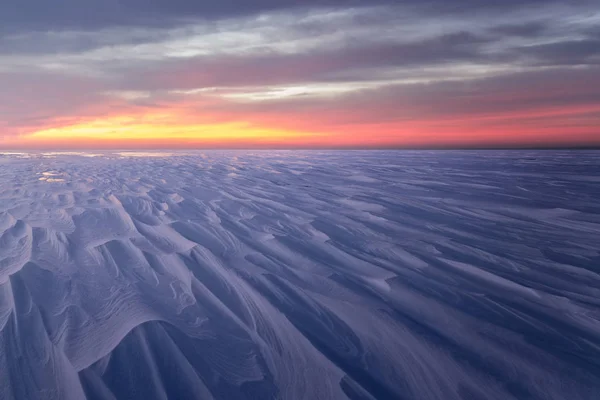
(300, 275)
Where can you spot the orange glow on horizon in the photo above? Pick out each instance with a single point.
(158, 129)
(174, 128)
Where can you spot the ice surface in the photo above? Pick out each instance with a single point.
(300, 275)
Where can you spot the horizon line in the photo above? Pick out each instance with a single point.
(315, 148)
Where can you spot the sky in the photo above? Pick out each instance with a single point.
(292, 73)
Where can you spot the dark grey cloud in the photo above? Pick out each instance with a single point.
(526, 29)
(70, 42)
(568, 52)
(44, 15)
(75, 26)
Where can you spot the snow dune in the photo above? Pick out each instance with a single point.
(299, 275)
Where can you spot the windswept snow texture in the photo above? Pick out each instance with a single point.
(300, 275)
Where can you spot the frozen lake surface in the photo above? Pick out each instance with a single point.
(300, 275)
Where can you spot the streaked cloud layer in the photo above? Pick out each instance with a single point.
(290, 73)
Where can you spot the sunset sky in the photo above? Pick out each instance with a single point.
(291, 73)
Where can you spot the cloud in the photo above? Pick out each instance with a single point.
(527, 29)
(317, 65)
(568, 52)
(507, 94)
(41, 15)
